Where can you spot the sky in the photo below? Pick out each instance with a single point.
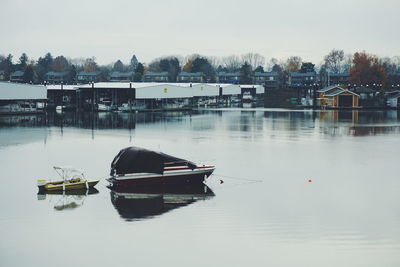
(112, 30)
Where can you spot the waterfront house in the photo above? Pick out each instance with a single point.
(53, 77)
(17, 77)
(365, 92)
(337, 97)
(228, 77)
(156, 76)
(2, 75)
(268, 79)
(117, 76)
(338, 78)
(300, 80)
(189, 77)
(86, 77)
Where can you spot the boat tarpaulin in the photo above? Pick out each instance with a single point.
(136, 159)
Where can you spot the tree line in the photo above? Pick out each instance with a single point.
(363, 68)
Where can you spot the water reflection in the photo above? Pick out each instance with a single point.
(61, 200)
(146, 202)
(258, 122)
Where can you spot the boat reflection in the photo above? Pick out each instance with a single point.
(67, 200)
(135, 203)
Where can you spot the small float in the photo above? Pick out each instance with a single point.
(72, 179)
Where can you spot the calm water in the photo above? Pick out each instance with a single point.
(265, 213)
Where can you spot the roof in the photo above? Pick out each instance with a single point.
(345, 74)
(117, 74)
(301, 74)
(64, 87)
(191, 74)
(17, 73)
(328, 88)
(18, 91)
(340, 91)
(228, 74)
(84, 73)
(150, 73)
(364, 90)
(266, 74)
(395, 96)
(59, 74)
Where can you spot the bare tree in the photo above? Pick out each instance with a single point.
(231, 63)
(347, 62)
(334, 61)
(253, 59)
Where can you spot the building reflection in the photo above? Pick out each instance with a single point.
(67, 200)
(145, 202)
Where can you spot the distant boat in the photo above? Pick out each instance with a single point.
(247, 97)
(138, 166)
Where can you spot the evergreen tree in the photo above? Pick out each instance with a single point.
(29, 74)
(23, 61)
(259, 69)
(246, 74)
(138, 73)
(118, 66)
(307, 67)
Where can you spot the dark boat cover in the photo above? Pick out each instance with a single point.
(135, 159)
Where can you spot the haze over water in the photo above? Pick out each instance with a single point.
(265, 213)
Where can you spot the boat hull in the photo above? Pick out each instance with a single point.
(173, 177)
(60, 186)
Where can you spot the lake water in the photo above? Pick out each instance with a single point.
(259, 209)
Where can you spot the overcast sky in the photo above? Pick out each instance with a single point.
(111, 30)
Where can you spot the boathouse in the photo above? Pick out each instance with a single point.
(21, 98)
(61, 95)
(338, 97)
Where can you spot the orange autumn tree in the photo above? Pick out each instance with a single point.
(367, 70)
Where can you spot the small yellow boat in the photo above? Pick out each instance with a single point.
(72, 180)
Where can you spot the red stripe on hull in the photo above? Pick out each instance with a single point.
(162, 180)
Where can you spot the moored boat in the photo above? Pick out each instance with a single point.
(72, 179)
(138, 166)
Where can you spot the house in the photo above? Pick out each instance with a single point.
(393, 99)
(117, 76)
(268, 79)
(338, 78)
(3, 75)
(299, 79)
(365, 92)
(86, 77)
(53, 77)
(228, 77)
(17, 77)
(186, 77)
(337, 97)
(156, 76)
